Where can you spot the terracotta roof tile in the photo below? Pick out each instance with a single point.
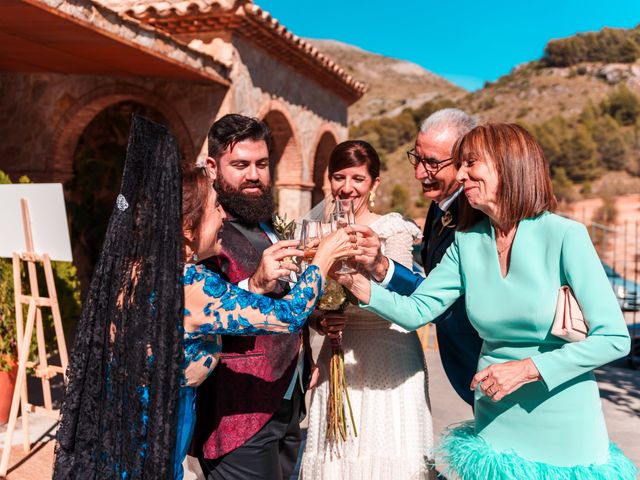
(194, 16)
(168, 8)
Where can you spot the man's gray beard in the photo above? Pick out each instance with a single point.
(250, 209)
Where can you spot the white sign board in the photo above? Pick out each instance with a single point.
(48, 220)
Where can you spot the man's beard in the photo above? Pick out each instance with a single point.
(249, 209)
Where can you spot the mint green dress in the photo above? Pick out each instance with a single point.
(551, 429)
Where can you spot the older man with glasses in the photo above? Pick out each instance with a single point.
(431, 158)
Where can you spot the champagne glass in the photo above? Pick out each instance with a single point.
(310, 238)
(344, 215)
(291, 234)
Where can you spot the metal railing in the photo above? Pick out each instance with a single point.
(619, 251)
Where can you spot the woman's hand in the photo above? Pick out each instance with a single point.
(356, 283)
(500, 379)
(337, 245)
(331, 324)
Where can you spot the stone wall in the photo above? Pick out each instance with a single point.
(43, 116)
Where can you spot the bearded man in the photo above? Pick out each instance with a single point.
(249, 410)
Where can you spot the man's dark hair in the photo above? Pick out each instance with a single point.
(234, 128)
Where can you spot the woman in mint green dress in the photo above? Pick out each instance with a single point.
(537, 406)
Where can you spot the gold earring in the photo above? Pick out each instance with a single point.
(372, 199)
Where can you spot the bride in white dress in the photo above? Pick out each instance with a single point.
(384, 364)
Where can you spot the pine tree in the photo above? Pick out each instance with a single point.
(611, 148)
(623, 105)
(581, 162)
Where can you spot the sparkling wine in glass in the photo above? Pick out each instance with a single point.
(344, 215)
(310, 238)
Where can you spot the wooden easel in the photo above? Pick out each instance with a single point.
(43, 370)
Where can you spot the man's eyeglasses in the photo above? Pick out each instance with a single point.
(431, 165)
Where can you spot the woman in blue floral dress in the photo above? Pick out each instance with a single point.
(214, 306)
(128, 406)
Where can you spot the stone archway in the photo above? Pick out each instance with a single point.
(93, 134)
(76, 119)
(324, 146)
(292, 196)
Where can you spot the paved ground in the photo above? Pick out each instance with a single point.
(619, 386)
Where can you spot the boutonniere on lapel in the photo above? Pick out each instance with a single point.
(447, 221)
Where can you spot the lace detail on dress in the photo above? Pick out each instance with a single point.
(397, 236)
(201, 353)
(392, 223)
(215, 307)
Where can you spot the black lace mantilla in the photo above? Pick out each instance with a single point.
(118, 416)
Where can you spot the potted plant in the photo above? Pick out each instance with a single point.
(8, 351)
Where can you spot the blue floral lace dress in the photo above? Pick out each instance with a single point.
(215, 307)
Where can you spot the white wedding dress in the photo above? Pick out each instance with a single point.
(388, 387)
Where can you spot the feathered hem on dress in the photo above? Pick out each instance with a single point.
(468, 456)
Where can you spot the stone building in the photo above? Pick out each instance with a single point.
(72, 71)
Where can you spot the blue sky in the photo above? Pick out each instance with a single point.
(466, 42)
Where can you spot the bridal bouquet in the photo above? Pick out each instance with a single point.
(335, 299)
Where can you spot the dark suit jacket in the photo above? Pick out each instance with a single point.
(459, 343)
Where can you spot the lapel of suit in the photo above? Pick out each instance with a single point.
(441, 236)
(426, 234)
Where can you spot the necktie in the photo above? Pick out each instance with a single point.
(435, 225)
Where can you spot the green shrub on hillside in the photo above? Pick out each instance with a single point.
(387, 134)
(552, 135)
(399, 199)
(611, 147)
(593, 142)
(563, 186)
(421, 113)
(487, 103)
(580, 155)
(609, 45)
(623, 105)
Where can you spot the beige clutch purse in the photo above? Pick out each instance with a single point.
(569, 323)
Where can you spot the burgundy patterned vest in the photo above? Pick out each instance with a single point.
(249, 382)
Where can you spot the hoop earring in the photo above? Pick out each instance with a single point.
(372, 199)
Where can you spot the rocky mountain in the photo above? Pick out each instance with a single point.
(581, 99)
(533, 93)
(393, 84)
